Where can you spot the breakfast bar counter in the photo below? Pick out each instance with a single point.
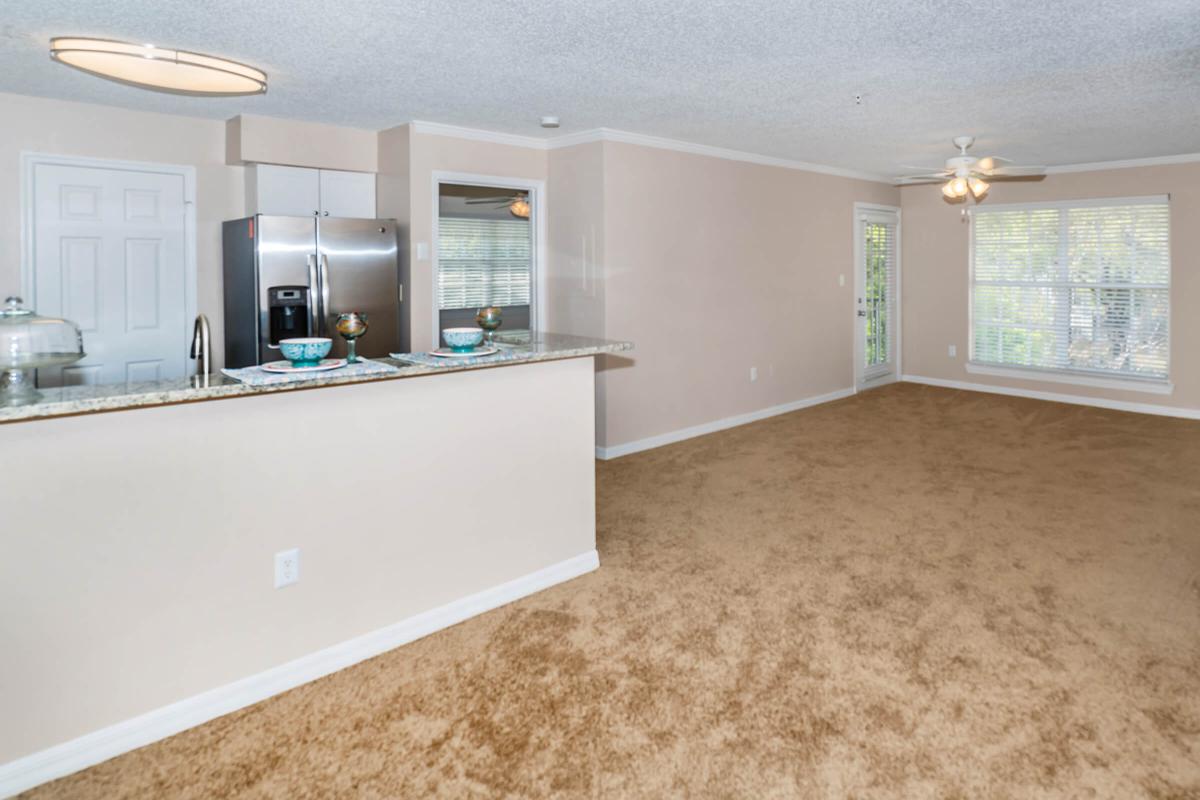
(517, 348)
(406, 502)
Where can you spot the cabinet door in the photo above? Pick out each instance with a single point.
(284, 191)
(347, 194)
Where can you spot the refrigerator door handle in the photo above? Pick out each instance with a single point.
(324, 292)
(313, 287)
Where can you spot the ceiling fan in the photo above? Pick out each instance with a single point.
(967, 174)
(518, 204)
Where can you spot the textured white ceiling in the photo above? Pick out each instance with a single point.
(1039, 81)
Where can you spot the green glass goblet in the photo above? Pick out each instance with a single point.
(350, 326)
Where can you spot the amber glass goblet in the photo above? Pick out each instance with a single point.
(350, 326)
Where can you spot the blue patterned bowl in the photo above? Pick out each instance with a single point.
(462, 340)
(305, 352)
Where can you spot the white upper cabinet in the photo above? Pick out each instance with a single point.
(304, 192)
(286, 191)
(347, 194)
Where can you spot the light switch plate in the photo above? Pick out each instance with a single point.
(952, 350)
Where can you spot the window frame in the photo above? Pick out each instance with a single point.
(1079, 377)
(538, 213)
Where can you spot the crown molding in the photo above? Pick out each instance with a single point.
(1096, 166)
(643, 140)
(477, 134)
(679, 146)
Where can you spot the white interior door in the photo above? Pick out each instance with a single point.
(877, 295)
(109, 253)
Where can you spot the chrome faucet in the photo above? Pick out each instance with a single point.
(202, 346)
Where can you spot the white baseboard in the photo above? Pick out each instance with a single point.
(1058, 397)
(55, 762)
(618, 450)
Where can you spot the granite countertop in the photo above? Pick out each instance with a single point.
(70, 400)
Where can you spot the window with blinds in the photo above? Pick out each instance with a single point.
(879, 254)
(1073, 287)
(483, 262)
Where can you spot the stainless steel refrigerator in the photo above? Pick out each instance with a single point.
(290, 277)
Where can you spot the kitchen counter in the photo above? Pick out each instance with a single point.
(517, 349)
(414, 502)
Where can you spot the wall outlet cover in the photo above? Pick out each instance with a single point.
(753, 374)
(952, 350)
(287, 567)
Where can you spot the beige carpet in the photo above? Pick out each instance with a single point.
(910, 593)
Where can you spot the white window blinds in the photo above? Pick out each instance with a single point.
(1078, 287)
(879, 239)
(483, 262)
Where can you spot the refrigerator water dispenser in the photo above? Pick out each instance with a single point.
(289, 313)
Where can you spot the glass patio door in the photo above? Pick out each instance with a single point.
(877, 260)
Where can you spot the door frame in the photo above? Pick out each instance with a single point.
(897, 330)
(30, 160)
(538, 206)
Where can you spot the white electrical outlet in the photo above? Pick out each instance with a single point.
(753, 374)
(841, 280)
(287, 567)
(952, 350)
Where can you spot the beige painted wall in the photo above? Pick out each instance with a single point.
(80, 129)
(392, 200)
(575, 272)
(936, 275)
(269, 140)
(575, 277)
(123, 590)
(714, 266)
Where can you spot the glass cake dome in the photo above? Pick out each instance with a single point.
(29, 342)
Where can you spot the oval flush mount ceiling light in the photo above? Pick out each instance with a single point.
(157, 68)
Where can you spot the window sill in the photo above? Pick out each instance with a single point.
(1149, 386)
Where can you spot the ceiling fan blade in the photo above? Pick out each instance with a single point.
(989, 163)
(936, 177)
(491, 200)
(924, 170)
(1016, 172)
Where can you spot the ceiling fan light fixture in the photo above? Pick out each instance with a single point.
(956, 188)
(519, 208)
(979, 187)
(157, 68)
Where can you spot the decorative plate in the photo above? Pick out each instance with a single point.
(446, 352)
(287, 368)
